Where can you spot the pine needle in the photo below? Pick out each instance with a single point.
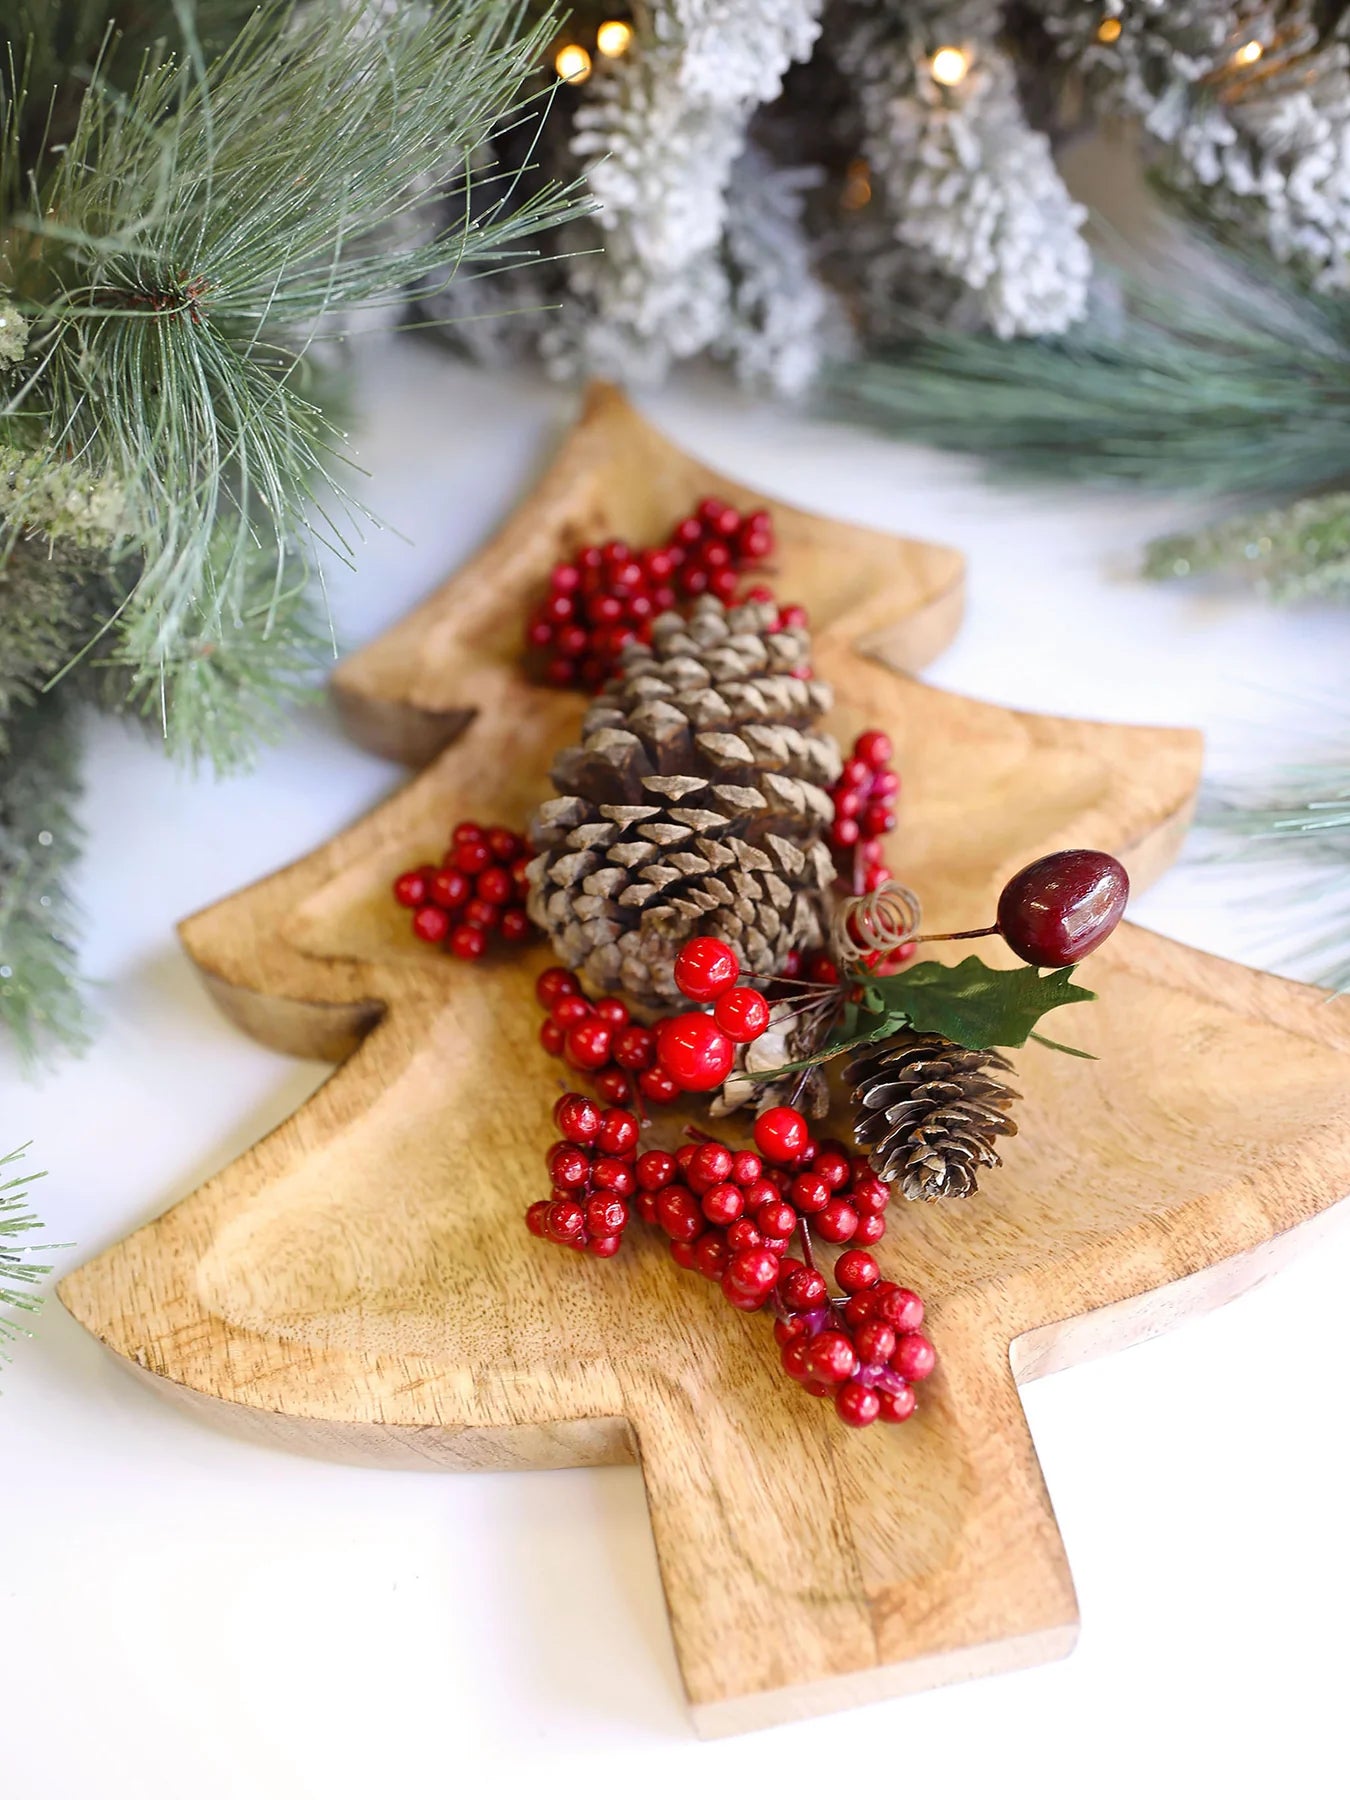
(18, 1273)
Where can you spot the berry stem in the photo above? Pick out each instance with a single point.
(947, 937)
(804, 1233)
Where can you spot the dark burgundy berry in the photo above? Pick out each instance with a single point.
(1060, 908)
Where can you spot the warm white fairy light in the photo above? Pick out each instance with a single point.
(573, 64)
(949, 65)
(614, 37)
(1108, 31)
(1250, 52)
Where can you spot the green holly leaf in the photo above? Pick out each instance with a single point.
(976, 1006)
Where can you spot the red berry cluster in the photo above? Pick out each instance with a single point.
(608, 595)
(864, 811)
(865, 1351)
(602, 1040)
(696, 1050)
(591, 1169)
(480, 888)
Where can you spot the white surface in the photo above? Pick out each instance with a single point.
(184, 1615)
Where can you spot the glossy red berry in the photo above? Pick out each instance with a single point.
(468, 942)
(587, 1043)
(655, 1169)
(744, 1235)
(803, 1288)
(658, 1087)
(606, 1214)
(856, 1404)
(711, 1255)
(901, 1308)
(874, 1340)
(913, 1356)
(832, 1167)
(411, 888)
(605, 1246)
(678, 1215)
(614, 1086)
(514, 926)
(856, 1270)
(536, 1218)
(896, 1407)
(776, 1219)
(1061, 907)
(612, 1011)
(832, 1357)
(781, 1134)
(634, 1047)
(577, 1118)
(553, 985)
(837, 1222)
(723, 1204)
(710, 1164)
(796, 1358)
(874, 748)
(569, 1166)
(695, 1052)
(705, 968)
(810, 1194)
(431, 924)
(871, 1229)
(615, 1174)
(494, 885)
(752, 1271)
(618, 1133)
(566, 1219)
(743, 1013)
(746, 1167)
(571, 1010)
(551, 1037)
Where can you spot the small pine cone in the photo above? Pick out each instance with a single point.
(929, 1111)
(695, 804)
(787, 1040)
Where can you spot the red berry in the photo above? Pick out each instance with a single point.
(856, 1270)
(551, 1037)
(411, 888)
(796, 1358)
(606, 1214)
(832, 1357)
(913, 1357)
(856, 1404)
(874, 748)
(759, 1193)
(694, 1052)
(809, 1193)
(1061, 907)
(744, 1235)
(587, 1043)
(658, 1087)
(860, 1308)
(743, 1014)
(742, 1301)
(577, 1118)
(844, 833)
(571, 1010)
(655, 1169)
(634, 1047)
(752, 1271)
(803, 1289)
(709, 1165)
(468, 942)
(837, 1222)
(874, 1340)
(823, 969)
(569, 1166)
(723, 1204)
(781, 1134)
(612, 1011)
(705, 968)
(877, 819)
(431, 924)
(472, 856)
(553, 985)
(746, 1167)
(565, 1220)
(871, 1229)
(777, 1219)
(614, 1086)
(605, 1246)
(514, 925)
(896, 1408)
(494, 885)
(467, 832)
(831, 1166)
(711, 1255)
(482, 914)
(536, 1218)
(678, 1214)
(900, 1308)
(618, 1133)
(613, 1173)
(870, 1194)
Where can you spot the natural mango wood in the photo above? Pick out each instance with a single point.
(411, 691)
(361, 1284)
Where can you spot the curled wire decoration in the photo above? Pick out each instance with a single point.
(870, 923)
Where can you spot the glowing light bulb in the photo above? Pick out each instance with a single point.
(949, 65)
(613, 37)
(1108, 31)
(1250, 52)
(573, 64)
(857, 189)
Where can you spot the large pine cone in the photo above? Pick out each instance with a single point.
(695, 804)
(929, 1111)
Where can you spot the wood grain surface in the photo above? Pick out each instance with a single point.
(361, 1284)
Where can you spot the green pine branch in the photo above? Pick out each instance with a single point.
(19, 1274)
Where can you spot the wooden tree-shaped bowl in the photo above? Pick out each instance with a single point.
(361, 1282)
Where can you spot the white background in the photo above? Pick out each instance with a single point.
(183, 1615)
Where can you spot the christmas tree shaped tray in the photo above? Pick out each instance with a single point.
(361, 1285)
